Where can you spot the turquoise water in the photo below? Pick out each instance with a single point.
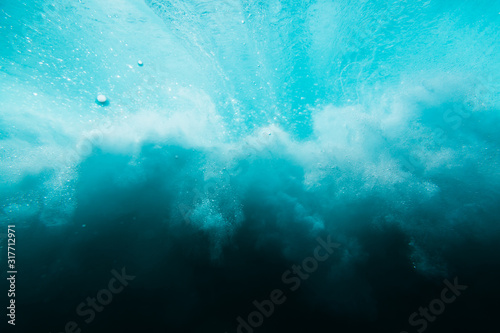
(252, 128)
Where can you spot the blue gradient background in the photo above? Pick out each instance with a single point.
(253, 128)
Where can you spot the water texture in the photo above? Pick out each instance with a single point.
(251, 129)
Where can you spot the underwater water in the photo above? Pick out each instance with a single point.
(258, 166)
